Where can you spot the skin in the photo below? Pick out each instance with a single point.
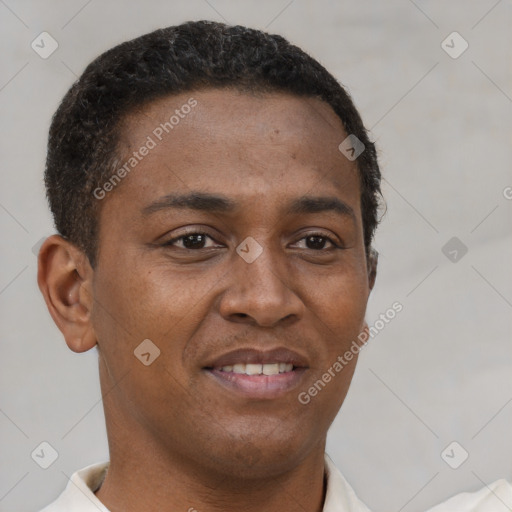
(177, 438)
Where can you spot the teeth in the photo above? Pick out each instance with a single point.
(253, 369)
(259, 369)
(270, 369)
(237, 368)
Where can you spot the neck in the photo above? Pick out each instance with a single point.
(150, 477)
(301, 489)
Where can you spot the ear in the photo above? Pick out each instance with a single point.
(373, 258)
(64, 276)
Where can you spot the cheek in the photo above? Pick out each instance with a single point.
(341, 301)
(140, 302)
(138, 299)
(124, 314)
(341, 311)
(130, 308)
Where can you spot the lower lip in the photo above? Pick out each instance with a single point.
(259, 386)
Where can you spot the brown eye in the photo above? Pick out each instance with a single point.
(317, 241)
(190, 241)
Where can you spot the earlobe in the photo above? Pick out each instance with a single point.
(373, 258)
(64, 278)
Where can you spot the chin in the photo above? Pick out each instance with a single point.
(258, 457)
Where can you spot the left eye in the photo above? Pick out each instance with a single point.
(318, 241)
(194, 241)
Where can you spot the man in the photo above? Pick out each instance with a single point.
(216, 195)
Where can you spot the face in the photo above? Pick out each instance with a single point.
(234, 244)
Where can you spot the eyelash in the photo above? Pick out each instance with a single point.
(171, 242)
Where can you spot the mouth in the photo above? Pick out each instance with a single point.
(258, 375)
(256, 369)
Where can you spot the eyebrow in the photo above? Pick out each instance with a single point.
(201, 201)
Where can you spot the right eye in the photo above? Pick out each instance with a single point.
(190, 241)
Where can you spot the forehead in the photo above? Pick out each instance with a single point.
(250, 145)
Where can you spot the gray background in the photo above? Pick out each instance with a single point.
(439, 372)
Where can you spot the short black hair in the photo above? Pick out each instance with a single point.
(84, 133)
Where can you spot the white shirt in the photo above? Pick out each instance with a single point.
(340, 497)
(496, 497)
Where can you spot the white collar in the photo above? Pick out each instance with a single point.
(79, 493)
(340, 497)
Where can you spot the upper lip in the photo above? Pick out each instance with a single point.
(255, 356)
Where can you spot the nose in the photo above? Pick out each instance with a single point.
(261, 292)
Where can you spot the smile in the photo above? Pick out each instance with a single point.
(249, 380)
(257, 369)
(255, 374)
